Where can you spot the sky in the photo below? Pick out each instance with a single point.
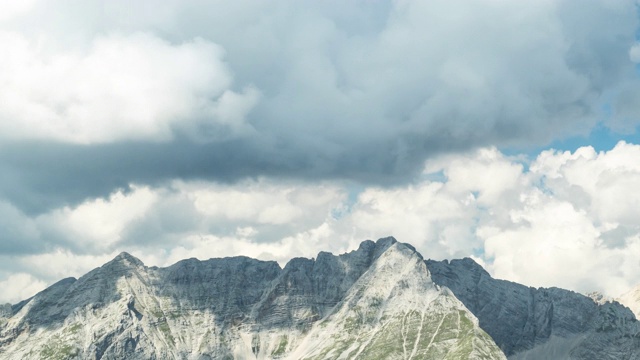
(505, 131)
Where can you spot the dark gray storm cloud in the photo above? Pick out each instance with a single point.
(360, 91)
(40, 176)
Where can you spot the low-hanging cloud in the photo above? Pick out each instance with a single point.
(563, 219)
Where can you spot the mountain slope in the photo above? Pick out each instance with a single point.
(530, 323)
(377, 300)
(394, 311)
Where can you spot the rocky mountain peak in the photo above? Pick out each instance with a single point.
(243, 308)
(127, 260)
(384, 243)
(380, 301)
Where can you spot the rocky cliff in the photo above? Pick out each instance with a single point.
(376, 302)
(530, 323)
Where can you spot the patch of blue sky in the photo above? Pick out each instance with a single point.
(353, 192)
(601, 138)
(438, 176)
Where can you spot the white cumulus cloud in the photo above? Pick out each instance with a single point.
(120, 87)
(564, 219)
(20, 286)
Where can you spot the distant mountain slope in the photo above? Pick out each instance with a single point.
(530, 323)
(373, 303)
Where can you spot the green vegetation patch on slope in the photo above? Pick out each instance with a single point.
(282, 346)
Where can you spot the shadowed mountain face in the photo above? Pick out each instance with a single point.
(375, 302)
(530, 323)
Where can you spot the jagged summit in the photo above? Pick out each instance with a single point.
(334, 306)
(385, 242)
(380, 301)
(126, 259)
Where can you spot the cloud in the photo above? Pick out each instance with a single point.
(145, 127)
(426, 216)
(98, 224)
(264, 201)
(574, 220)
(20, 233)
(20, 286)
(205, 246)
(626, 112)
(14, 9)
(563, 219)
(62, 263)
(599, 183)
(231, 90)
(122, 87)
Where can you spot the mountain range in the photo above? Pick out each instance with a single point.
(381, 301)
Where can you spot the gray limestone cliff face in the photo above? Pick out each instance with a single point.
(227, 287)
(240, 308)
(5, 311)
(530, 323)
(133, 301)
(47, 306)
(307, 289)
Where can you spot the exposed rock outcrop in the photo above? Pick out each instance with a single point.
(375, 302)
(543, 323)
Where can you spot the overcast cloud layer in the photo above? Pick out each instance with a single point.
(217, 128)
